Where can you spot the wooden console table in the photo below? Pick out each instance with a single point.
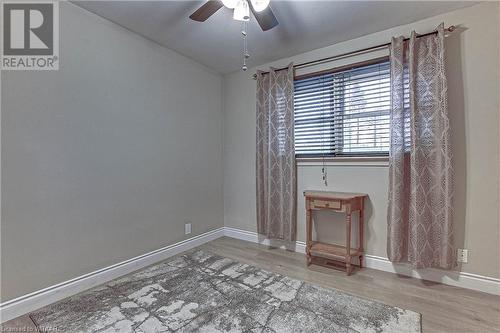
(329, 254)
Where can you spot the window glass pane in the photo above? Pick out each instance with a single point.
(344, 113)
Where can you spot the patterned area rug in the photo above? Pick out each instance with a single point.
(203, 292)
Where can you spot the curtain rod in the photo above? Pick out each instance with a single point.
(451, 28)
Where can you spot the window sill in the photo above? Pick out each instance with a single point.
(372, 161)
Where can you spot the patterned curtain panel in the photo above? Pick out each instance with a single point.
(420, 169)
(276, 173)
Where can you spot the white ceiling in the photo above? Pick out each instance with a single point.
(304, 26)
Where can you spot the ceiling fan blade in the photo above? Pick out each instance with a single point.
(265, 18)
(207, 10)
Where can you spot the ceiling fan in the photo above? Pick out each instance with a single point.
(259, 8)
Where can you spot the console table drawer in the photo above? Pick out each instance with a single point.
(328, 204)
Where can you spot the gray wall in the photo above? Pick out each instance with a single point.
(472, 55)
(106, 158)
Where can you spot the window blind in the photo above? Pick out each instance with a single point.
(344, 113)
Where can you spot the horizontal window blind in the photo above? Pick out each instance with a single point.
(344, 113)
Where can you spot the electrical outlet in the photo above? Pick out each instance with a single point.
(462, 255)
(187, 228)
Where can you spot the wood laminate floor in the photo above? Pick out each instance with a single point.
(443, 308)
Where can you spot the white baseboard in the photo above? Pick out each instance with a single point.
(458, 279)
(30, 302)
(465, 280)
(253, 237)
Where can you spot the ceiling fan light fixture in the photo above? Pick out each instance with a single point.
(231, 4)
(241, 11)
(260, 5)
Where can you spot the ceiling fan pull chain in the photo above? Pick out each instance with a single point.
(246, 55)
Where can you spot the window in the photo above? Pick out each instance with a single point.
(344, 112)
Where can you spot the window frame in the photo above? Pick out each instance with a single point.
(350, 156)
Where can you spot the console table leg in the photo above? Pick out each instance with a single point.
(348, 243)
(361, 231)
(308, 233)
